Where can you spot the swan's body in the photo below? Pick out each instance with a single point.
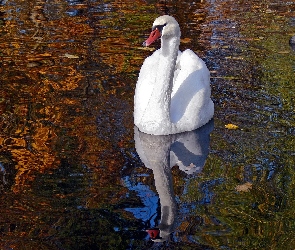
(173, 89)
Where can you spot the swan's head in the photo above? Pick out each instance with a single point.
(165, 27)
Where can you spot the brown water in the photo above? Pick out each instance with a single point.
(70, 176)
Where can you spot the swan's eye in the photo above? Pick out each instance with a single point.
(159, 27)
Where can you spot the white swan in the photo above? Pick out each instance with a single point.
(173, 91)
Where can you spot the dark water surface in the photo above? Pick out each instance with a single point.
(75, 174)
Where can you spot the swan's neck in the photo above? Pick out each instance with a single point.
(170, 46)
(168, 57)
(161, 97)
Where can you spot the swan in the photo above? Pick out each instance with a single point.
(172, 94)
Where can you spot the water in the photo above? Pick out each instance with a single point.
(70, 176)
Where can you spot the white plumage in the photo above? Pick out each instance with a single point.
(173, 89)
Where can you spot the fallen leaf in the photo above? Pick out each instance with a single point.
(244, 187)
(67, 55)
(231, 126)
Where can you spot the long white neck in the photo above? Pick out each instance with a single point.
(160, 100)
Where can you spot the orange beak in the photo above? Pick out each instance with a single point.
(155, 34)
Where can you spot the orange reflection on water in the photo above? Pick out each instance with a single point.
(31, 156)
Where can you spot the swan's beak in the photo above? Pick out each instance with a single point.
(155, 34)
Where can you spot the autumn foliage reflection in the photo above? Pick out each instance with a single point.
(65, 112)
(49, 82)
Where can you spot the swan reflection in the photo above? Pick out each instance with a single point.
(160, 153)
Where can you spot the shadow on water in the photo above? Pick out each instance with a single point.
(70, 176)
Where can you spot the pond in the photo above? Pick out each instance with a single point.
(76, 174)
